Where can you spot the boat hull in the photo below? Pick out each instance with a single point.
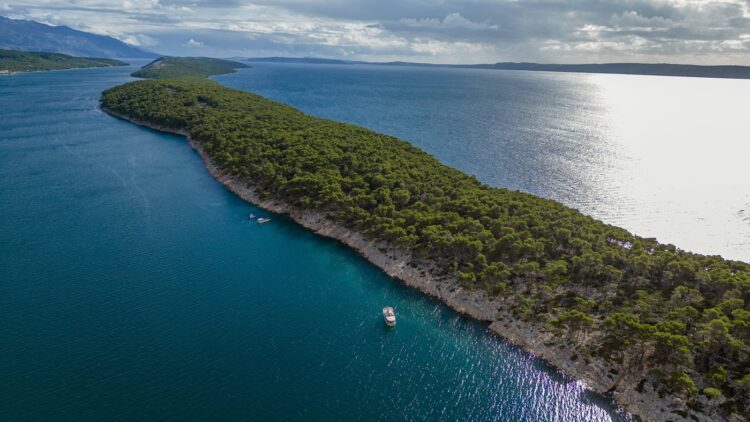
(389, 316)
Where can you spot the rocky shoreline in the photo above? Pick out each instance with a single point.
(640, 400)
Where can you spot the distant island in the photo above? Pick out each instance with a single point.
(666, 331)
(187, 67)
(23, 61)
(656, 69)
(27, 35)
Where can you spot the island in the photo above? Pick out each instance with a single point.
(12, 61)
(187, 67)
(665, 331)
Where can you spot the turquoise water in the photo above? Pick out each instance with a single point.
(663, 157)
(134, 287)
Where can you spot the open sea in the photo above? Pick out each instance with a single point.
(133, 286)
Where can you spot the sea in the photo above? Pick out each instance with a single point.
(133, 286)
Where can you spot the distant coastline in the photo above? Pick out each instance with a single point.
(651, 69)
(13, 61)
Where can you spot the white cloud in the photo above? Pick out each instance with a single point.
(138, 40)
(453, 20)
(193, 43)
(140, 4)
(131, 39)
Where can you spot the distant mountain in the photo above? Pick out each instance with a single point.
(658, 69)
(34, 36)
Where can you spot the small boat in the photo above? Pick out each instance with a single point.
(389, 316)
(251, 216)
(263, 220)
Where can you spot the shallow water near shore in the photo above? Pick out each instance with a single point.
(135, 287)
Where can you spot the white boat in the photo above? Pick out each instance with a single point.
(263, 220)
(251, 216)
(389, 316)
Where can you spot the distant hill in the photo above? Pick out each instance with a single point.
(187, 67)
(659, 69)
(27, 35)
(12, 61)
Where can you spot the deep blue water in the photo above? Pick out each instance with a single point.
(663, 157)
(134, 287)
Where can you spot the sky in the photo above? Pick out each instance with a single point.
(436, 31)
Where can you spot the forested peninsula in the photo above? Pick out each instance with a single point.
(12, 61)
(666, 331)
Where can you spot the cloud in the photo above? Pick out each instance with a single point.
(138, 40)
(131, 39)
(702, 31)
(452, 27)
(193, 43)
(452, 21)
